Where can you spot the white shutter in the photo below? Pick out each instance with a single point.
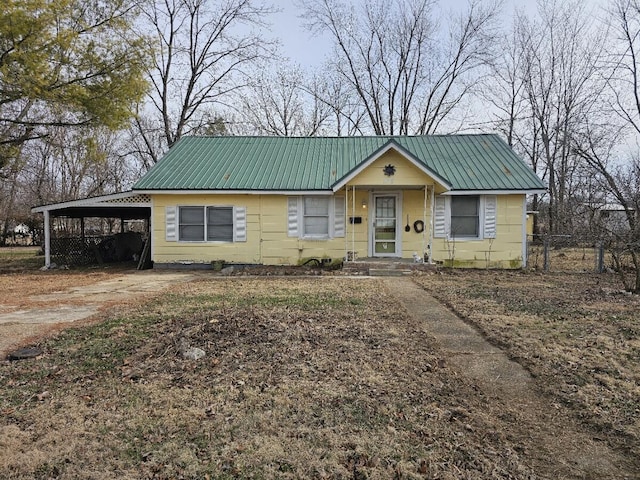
(170, 222)
(240, 224)
(440, 217)
(338, 217)
(490, 212)
(292, 216)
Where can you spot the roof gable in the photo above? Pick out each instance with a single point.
(459, 162)
(390, 145)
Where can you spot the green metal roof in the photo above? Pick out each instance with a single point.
(466, 162)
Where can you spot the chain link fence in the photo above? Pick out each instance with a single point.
(567, 253)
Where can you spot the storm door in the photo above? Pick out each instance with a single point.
(385, 226)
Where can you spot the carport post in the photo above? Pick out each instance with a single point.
(47, 240)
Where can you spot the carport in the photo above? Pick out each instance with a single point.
(124, 206)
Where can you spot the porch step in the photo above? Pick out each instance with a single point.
(388, 272)
(384, 268)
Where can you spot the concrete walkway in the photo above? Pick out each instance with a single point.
(468, 353)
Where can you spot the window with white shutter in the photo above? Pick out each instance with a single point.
(292, 216)
(196, 223)
(338, 217)
(440, 217)
(490, 216)
(170, 224)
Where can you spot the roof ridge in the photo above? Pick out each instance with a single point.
(332, 137)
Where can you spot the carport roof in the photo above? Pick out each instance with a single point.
(127, 205)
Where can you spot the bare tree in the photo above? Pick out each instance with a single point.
(607, 131)
(202, 49)
(282, 104)
(407, 78)
(550, 80)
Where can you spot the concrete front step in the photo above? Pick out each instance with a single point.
(381, 268)
(386, 272)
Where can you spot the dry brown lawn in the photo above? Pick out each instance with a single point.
(578, 334)
(316, 378)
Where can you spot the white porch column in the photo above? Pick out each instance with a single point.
(431, 224)
(353, 229)
(47, 240)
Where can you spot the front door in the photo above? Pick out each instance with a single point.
(385, 226)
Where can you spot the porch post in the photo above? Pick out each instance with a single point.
(353, 229)
(346, 223)
(424, 222)
(47, 240)
(433, 206)
(524, 232)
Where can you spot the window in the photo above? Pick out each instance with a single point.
(191, 224)
(471, 217)
(465, 216)
(315, 217)
(217, 228)
(220, 224)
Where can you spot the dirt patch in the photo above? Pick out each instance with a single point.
(42, 303)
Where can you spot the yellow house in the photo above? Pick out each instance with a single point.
(457, 200)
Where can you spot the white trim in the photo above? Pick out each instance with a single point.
(289, 193)
(405, 153)
(95, 202)
(491, 192)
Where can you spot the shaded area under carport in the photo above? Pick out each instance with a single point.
(84, 249)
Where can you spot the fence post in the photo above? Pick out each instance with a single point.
(545, 242)
(600, 257)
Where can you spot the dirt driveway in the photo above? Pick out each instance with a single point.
(37, 315)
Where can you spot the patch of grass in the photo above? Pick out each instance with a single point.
(20, 258)
(575, 332)
(303, 378)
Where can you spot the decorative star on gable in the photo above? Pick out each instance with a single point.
(389, 170)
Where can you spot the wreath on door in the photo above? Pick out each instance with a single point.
(418, 226)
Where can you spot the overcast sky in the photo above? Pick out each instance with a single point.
(301, 48)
